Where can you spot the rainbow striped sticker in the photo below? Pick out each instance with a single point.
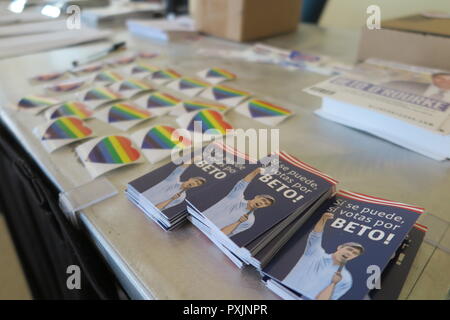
(114, 150)
(144, 68)
(48, 77)
(108, 76)
(134, 84)
(36, 102)
(208, 120)
(226, 95)
(263, 111)
(158, 102)
(164, 76)
(88, 68)
(67, 86)
(70, 108)
(101, 93)
(189, 86)
(67, 128)
(126, 112)
(216, 75)
(147, 55)
(161, 137)
(192, 106)
(123, 60)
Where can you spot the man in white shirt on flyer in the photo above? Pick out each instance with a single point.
(233, 214)
(321, 276)
(172, 191)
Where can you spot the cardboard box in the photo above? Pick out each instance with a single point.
(416, 40)
(245, 20)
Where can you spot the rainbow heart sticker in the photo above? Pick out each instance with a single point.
(71, 108)
(114, 150)
(134, 84)
(67, 86)
(190, 83)
(210, 120)
(224, 92)
(161, 137)
(101, 93)
(159, 100)
(220, 73)
(190, 106)
(126, 112)
(167, 74)
(48, 77)
(260, 108)
(108, 76)
(89, 68)
(67, 128)
(144, 67)
(36, 101)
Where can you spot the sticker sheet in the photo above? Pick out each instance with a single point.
(69, 108)
(62, 131)
(37, 103)
(207, 124)
(225, 95)
(158, 103)
(131, 87)
(98, 96)
(107, 153)
(192, 106)
(216, 75)
(263, 111)
(157, 142)
(188, 86)
(123, 115)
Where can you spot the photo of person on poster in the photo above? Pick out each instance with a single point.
(172, 191)
(319, 275)
(438, 89)
(234, 214)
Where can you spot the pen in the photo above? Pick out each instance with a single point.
(101, 54)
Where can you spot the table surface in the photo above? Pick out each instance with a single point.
(184, 264)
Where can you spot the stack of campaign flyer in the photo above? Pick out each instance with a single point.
(251, 217)
(404, 104)
(343, 249)
(161, 193)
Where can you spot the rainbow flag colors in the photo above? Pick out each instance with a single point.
(159, 99)
(161, 137)
(114, 150)
(191, 83)
(209, 119)
(167, 74)
(191, 106)
(144, 67)
(134, 84)
(36, 101)
(126, 112)
(71, 108)
(220, 73)
(222, 92)
(260, 108)
(108, 76)
(49, 77)
(67, 128)
(101, 93)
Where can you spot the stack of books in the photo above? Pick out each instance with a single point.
(407, 105)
